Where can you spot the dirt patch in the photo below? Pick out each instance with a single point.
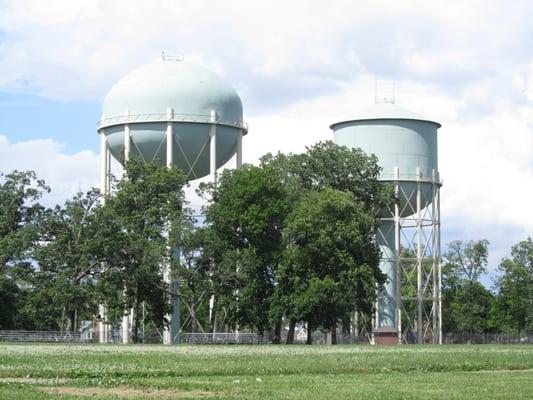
(35, 381)
(127, 393)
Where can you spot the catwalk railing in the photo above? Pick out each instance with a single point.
(163, 117)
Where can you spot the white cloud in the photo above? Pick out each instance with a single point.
(78, 49)
(523, 80)
(66, 174)
(488, 169)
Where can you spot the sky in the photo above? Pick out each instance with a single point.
(298, 66)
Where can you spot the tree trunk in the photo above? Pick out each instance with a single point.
(192, 310)
(135, 317)
(214, 323)
(277, 333)
(334, 333)
(309, 334)
(71, 323)
(62, 326)
(212, 314)
(346, 327)
(355, 324)
(290, 334)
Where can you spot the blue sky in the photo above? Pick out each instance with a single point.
(72, 122)
(298, 66)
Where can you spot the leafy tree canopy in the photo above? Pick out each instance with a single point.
(330, 265)
(246, 221)
(139, 216)
(515, 284)
(20, 212)
(467, 303)
(68, 258)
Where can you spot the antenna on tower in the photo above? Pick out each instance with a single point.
(384, 91)
(172, 57)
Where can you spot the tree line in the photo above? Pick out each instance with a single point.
(470, 307)
(288, 241)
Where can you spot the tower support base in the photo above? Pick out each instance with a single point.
(385, 336)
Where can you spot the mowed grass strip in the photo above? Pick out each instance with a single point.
(288, 372)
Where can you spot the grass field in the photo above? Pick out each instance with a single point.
(265, 372)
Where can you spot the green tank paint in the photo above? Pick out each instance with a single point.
(142, 100)
(387, 298)
(188, 88)
(397, 143)
(191, 144)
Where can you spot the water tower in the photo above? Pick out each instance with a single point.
(172, 112)
(408, 234)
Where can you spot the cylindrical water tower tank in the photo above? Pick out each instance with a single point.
(406, 147)
(185, 95)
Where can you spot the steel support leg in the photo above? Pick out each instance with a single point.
(419, 269)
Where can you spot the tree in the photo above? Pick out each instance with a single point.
(467, 303)
(139, 216)
(71, 240)
(331, 263)
(19, 214)
(470, 309)
(328, 165)
(245, 220)
(466, 261)
(515, 284)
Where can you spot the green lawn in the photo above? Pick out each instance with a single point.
(265, 372)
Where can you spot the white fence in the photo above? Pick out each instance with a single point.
(487, 338)
(115, 337)
(41, 336)
(242, 338)
(222, 338)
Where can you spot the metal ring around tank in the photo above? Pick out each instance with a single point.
(163, 117)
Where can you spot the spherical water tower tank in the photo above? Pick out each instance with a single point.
(406, 147)
(189, 97)
(170, 112)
